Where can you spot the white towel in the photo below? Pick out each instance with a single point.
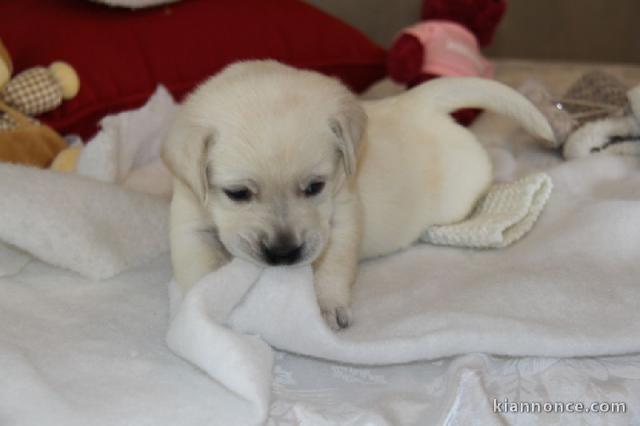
(111, 216)
(559, 292)
(503, 216)
(241, 363)
(94, 228)
(127, 153)
(570, 288)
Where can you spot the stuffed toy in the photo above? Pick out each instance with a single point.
(67, 160)
(597, 114)
(446, 43)
(39, 89)
(28, 143)
(470, 24)
(34, 91)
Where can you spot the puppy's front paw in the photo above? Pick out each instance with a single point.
(334, 294)
(336, 317)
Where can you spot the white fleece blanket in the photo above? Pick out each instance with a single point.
(92, 226)
(569, 288)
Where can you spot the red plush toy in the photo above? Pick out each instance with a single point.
(446, 43)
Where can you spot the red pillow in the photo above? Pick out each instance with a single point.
(121, 55)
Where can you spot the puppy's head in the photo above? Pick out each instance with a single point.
(265, 148)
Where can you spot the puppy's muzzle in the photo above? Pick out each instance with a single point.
(284, 251)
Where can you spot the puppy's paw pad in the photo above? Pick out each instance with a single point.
(337, 318)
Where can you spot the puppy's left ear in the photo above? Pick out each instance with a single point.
(348, 126)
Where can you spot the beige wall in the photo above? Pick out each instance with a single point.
(580, 30)
(379, 19)
(570, 30)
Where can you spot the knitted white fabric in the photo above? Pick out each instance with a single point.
(504, 216)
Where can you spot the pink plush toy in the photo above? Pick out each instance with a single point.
(451, 50)
(446, 43)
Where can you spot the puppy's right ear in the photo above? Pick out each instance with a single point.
(184, 151)
(348, 126)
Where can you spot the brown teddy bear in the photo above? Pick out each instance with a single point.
(34, 91)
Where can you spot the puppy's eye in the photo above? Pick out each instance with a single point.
(238, 194)
(313, 189)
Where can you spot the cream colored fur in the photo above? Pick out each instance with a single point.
(391, 168)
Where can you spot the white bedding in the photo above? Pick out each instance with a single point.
(93, 353)
(75, 351)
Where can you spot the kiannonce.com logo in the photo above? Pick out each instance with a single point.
(534, 407)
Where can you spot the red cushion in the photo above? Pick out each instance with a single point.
(121, 55)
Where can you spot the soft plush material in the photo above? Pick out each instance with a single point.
(445, 49)
(41, 89)
(121, 55)
(81, 353)
(409, 56)
(66, 159)
(27, 142)
(85, 223)
(94, 228)
(414, 58)
(552, 294)
(587, 115)
(127, 153)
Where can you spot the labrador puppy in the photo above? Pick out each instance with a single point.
(281, 166)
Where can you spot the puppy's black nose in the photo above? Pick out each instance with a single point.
(282, 254)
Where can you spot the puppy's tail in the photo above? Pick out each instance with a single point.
(448, 94)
